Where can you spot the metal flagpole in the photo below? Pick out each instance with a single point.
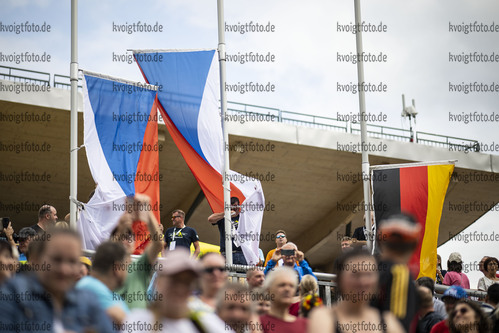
(223, 100)
(73, 167)
(363, 128)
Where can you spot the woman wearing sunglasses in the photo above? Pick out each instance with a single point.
(212, 279)
(357, 280)
(468, 318)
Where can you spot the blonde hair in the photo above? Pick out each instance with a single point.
(308, 285)
(62, 225)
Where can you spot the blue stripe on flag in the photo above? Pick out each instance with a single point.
(121, 116)
(182, 76)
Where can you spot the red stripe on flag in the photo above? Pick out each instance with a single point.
(148, 165)
(208, 178)
(414, 200)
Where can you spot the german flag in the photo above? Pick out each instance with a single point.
(418, 189)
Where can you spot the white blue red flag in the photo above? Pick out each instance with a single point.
(189, 96)
(121, 142)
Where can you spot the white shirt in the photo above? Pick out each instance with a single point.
(142, 320)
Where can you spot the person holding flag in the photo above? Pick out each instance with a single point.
(218, 220)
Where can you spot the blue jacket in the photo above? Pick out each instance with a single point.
(25, 306)
(303, 269)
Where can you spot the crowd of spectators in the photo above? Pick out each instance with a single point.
(46, 285)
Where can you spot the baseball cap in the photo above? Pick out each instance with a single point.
(455, 256)
(86, 261)
(456, 292)
(177, 261)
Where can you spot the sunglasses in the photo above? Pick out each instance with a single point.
(280, 236)
(174, 217)
(210, 270)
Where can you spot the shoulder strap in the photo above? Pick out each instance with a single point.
(194, 317)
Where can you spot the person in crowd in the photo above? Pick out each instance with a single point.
(134, 290)
(346, 244)
(359, 237)
(480, 265)
(8, 262)
(47, 299)
(177, 274)
(280, 240)
(62, 224)
(218, 220)
(281, 284)
(85, 267)
(450, 297)
(307, 286)
(468, 318)
(213, 277)
(455, 276)
(47, 218)
(308, 297)
(109, 273)
(490, 266)
(398, 237)
(181, 235)
(234, 307)
(26, 234)
(255, 277)
(290, 254)
(427, 316)
(261, 301)
(491, 300)
(438, 305)
(440, 272)
(357, 279)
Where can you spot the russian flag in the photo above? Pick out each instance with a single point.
(121, 142)
(189, 92)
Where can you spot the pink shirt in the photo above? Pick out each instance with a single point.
(456, 279)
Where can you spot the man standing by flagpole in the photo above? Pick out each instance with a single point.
(218, 220)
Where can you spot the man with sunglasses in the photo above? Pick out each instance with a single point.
(180, 235)
(213, 279)
(280, 240)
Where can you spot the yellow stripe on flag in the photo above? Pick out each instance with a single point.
(438, 182)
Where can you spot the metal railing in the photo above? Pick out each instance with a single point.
(375, 131)
(327, 282)
(282, 116)
(63, 82)
(24, 75)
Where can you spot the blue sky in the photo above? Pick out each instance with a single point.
(305, 44)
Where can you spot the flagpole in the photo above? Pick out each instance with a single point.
(73, 165)
(223, 101)
(363, 128)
